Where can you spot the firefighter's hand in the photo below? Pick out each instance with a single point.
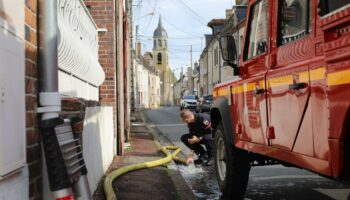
(194, 140)
(189, 160)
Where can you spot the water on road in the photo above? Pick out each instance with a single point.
(268, 182)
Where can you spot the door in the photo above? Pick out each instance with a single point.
(288, 81)
(251, 91)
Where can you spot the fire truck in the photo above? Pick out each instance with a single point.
(291, 102)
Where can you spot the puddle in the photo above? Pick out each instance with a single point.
(202, 181)
(190, 170)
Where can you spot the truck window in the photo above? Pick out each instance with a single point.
(295, 20)
(257, 30)
(328, 6)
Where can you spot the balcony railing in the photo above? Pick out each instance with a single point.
(78, 43)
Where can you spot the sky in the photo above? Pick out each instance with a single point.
(185, 22)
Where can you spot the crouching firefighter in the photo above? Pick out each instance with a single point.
(199, 125)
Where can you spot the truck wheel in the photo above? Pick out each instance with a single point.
(231, 166)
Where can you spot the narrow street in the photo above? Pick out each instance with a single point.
(270, 182)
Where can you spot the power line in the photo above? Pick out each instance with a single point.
(149, 21)
(171, 38)
(184, 45)
(171, 24)
(199, 18)
(166, 20)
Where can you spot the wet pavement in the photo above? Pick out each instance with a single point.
(202, 181)
(265, 183)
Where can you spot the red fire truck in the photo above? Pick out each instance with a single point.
(291, 102)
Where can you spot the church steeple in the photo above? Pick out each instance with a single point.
(160, 46)
(160, 21)
(161, 62)
(160, 31)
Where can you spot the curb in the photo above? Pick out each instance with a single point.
(182, 188)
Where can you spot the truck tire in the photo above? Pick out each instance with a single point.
(231, 166)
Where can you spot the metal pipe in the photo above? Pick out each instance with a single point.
(50, 100)
(48, 59)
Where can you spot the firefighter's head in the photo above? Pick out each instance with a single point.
(187, 116)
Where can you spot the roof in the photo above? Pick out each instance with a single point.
(146, 63)
(216, 22)
(160, 31)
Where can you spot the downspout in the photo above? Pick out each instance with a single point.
(50, 100)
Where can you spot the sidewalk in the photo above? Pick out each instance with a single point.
(156, 183)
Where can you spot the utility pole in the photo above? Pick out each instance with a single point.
(137, 33)
(192, 79)
(132, 70)
(182, 80)
(191, 55)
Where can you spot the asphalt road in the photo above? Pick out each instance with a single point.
(270, 182)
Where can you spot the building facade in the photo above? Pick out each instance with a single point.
(213, 69)
(148, 83)
(91, 70)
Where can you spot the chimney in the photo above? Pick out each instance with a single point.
(229, 13)
(138, 48)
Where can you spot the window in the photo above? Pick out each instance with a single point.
(155, 43)
(191, 97)
(159, 58)
(257, 30)
(160, 43)
(295, 20)
(328, 6)
(216, 56)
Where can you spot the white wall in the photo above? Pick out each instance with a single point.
(98, 143)
(210, 68)
(15, 187)
(14, 178)
(216, 62)
(143, 87)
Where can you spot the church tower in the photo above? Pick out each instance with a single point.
(160, 47)
(161, 62)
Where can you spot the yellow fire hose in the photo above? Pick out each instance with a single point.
(110, 195)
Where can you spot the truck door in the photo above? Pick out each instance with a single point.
(288, 78)
(251, 90)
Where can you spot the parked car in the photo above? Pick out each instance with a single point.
(189, 102)
(204, 103)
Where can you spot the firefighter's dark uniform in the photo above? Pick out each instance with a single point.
(201, 128)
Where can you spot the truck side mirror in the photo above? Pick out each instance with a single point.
(228, 50)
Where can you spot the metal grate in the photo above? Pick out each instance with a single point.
(71, 149)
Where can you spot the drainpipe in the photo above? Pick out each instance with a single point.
(49, 97)
(50, 100)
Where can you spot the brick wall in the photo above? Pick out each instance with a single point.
(104, 15)
(31, 86)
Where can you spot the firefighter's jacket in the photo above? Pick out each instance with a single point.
(201, 125)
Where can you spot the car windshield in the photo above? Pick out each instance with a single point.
(190, 97)
(209, 97)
